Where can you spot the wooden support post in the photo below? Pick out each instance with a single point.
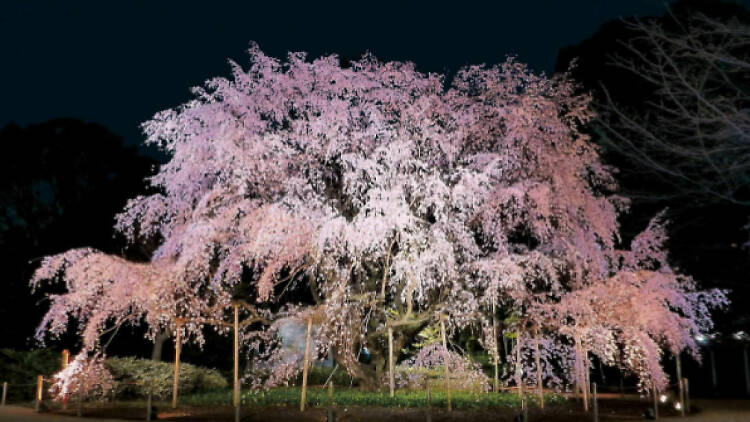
(587, 378)
(39, 389)
(581, 360)
(177, 352)
(681, 398)
(595, 398)
(537, 357)
(747, 370)
(5, 392)
(79, 404)
(428, 399)
(64, 360)
(656, 402)
(518, 375)
(445, 364)
(306, 364)
(236, 395)
(714, 380)
(330, 415)
(686, 388)
(391, 380)
(330, 392)
(496, 380)
(148, 406)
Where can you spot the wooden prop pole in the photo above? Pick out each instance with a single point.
(39, 389)
(537, 357)
(445, 363)
(177, 352)
(391, 381)
(236, 397)
(681, 399)
(306, 364)
(595, 397)
(496, 380)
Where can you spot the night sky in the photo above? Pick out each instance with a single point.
(115, 64)
(119, 64)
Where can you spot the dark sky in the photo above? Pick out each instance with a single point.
(117, 63)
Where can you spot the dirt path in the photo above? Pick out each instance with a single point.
(718, 410)
(22, 414)
(707, 411)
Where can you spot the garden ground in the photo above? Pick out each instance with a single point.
(610, 410)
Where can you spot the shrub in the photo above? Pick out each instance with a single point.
(19, 368)
(139, 376)
(428, 366)
(318, 375)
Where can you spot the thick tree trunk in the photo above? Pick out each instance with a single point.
(159, 340)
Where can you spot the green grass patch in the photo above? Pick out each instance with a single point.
(317, 397)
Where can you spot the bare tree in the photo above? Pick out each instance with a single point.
(693, 134)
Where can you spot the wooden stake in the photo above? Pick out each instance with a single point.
(177, 352)
(656, 403)
(596, 402)
(391, 381)
(678, 363)
(587, 378)
(330, 392)
(497, 349)
(65, 358)
(714, 380)
(519, 378)
(306, 363)
(39, 389)
(428, 399)
(583, 385)
(236, 397)
(5, 392)
(747, 370)
(79, 404)
(445, 364)
(687, 395)
(148, 406)
(537, 357)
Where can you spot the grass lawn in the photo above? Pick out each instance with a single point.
(318, 397)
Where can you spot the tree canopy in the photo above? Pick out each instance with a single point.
(373, 196)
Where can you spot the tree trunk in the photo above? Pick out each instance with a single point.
(159, 340)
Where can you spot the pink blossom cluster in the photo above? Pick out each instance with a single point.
(388, 198)
(85, 376)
